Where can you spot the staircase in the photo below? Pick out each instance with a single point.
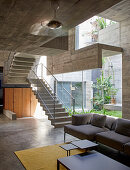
(19, 70)
(50, 103)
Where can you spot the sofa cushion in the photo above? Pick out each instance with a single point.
(83, 131)
(123, 127)
(81, 119)
(112, 139)
(98, 120)
(110, 123)
(127, 148)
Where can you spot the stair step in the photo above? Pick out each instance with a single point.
(16, 81)
(43, 91)
(49, 101)
(19, 71)
(51, 106)
(60, 119)
(34, 81)
(20, 63)
(21, 67)
(61, 124)
(58, 114)
(18, 74)
(24, 59)
(46, 96)
(56, 110)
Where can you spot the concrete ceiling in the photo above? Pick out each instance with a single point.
(118, 12)
(18, 16)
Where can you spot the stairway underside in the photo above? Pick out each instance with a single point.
(19, 70)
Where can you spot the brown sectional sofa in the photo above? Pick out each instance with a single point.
(127, 148)
(107, 130)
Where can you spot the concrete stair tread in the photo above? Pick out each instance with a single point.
(23, 61)
(61, 124)
(20, 68)
(60, 117)
(56, 104)
(48, 101)
(22, 65)
(57, 113)
(22, 76)
(17, 73)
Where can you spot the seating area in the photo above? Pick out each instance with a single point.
(107, 130)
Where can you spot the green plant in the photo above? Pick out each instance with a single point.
(104, 89)
(113, 92)
(101, 23)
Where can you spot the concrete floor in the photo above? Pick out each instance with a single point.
(30, 133)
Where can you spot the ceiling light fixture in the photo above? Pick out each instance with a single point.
(54, 23)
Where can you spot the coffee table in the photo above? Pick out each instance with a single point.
(91, 160)
(84, 144)
(81, 144)
(68, 147)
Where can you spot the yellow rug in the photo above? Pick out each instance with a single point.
(44, 158)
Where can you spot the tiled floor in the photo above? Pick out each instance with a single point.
(29, 133)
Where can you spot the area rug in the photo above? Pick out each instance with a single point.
(43, 158)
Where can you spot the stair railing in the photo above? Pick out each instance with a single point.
(53, 87)
(33, 76)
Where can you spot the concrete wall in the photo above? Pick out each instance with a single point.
(125, 43)
(71, 61)
(120, 36)
(110, 35)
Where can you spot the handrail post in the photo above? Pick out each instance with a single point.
(54, 97)
(41, 71)
(73, 106)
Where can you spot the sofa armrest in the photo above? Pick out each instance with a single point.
(81, 119)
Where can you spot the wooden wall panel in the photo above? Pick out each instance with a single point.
(8, 99)
(21, 101)
(34, 102)
(18, 102)
(26, 102)
(11, 99)
(5, 99)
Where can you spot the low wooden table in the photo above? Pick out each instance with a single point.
(90, 161)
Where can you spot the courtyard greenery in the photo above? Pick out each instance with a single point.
(113, 113)
(104, 92)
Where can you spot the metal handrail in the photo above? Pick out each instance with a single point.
(43, 84)
(73, 99)
(54, 78)
(52, 90)
(44, 104)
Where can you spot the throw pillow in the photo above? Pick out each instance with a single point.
(123, 127)
(98, 120)
(81, 119)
